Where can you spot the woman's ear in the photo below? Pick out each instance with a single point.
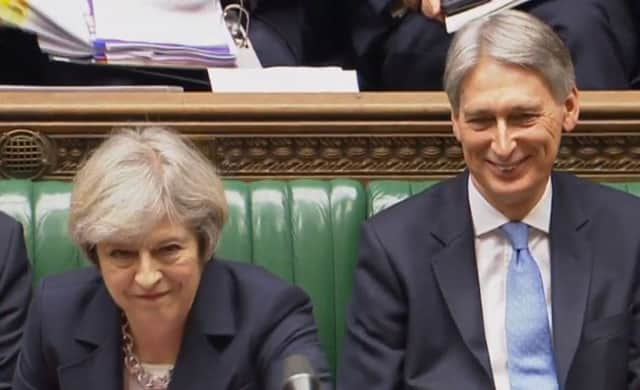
(92, 254)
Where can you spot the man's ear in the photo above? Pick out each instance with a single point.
(455, 117)
(571, 110)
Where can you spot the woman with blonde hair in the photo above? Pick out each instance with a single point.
(158, 310)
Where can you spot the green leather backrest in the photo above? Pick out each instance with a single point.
(384, 193)
(305, 231)
(631, 187)
(43, 210)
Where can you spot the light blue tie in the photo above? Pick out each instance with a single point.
(531, 361)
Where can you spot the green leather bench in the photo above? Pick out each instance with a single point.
(306, 231)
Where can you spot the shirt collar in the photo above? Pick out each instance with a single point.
(486, 218)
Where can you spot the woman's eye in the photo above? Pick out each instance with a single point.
(121, 254)
(170, 249)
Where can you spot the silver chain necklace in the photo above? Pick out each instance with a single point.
(145, 379)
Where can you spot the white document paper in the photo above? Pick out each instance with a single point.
(61, 27)
(454, 22)
(70, 16)
(188, 23)
(283, 79)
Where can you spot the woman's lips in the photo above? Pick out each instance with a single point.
(152, 296)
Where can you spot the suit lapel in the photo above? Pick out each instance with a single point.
(98, 335)
(570, 272)
(456, 270)
(210, 329)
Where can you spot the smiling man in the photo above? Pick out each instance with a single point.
(509, 276)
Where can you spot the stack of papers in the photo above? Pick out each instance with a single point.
(162, 32)
(189, 33)
(455, 21)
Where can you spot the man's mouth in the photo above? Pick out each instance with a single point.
(507, 167)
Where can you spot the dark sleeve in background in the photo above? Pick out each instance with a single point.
(22, 62)
(635, 4)
(300, 32)
(276, 32)
(327, 33)
(15, 295)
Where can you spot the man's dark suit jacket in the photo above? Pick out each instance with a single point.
(415, 320)
(242, 324)
(15, 295)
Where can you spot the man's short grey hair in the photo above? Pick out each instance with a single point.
(139, 178)
(514, 38)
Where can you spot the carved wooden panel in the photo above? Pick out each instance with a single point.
(293, 136)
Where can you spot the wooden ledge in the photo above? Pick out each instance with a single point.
(367, 135)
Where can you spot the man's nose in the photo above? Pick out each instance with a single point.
(147, 275)
(503, 143)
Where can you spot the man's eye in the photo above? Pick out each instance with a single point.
(523, 119)
(480, 122)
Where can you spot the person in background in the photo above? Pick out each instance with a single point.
(510, 275)
(277, 31)
(158, 310)
(15, 295)
(397, 50)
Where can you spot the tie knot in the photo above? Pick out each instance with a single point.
(517, 233)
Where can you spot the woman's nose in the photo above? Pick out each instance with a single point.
(147, 275)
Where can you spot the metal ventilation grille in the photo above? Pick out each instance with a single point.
(24, 154)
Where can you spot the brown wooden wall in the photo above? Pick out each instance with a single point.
(368, 135)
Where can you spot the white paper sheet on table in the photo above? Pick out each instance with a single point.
(283, 79)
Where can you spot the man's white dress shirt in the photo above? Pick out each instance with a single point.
(493, 253)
